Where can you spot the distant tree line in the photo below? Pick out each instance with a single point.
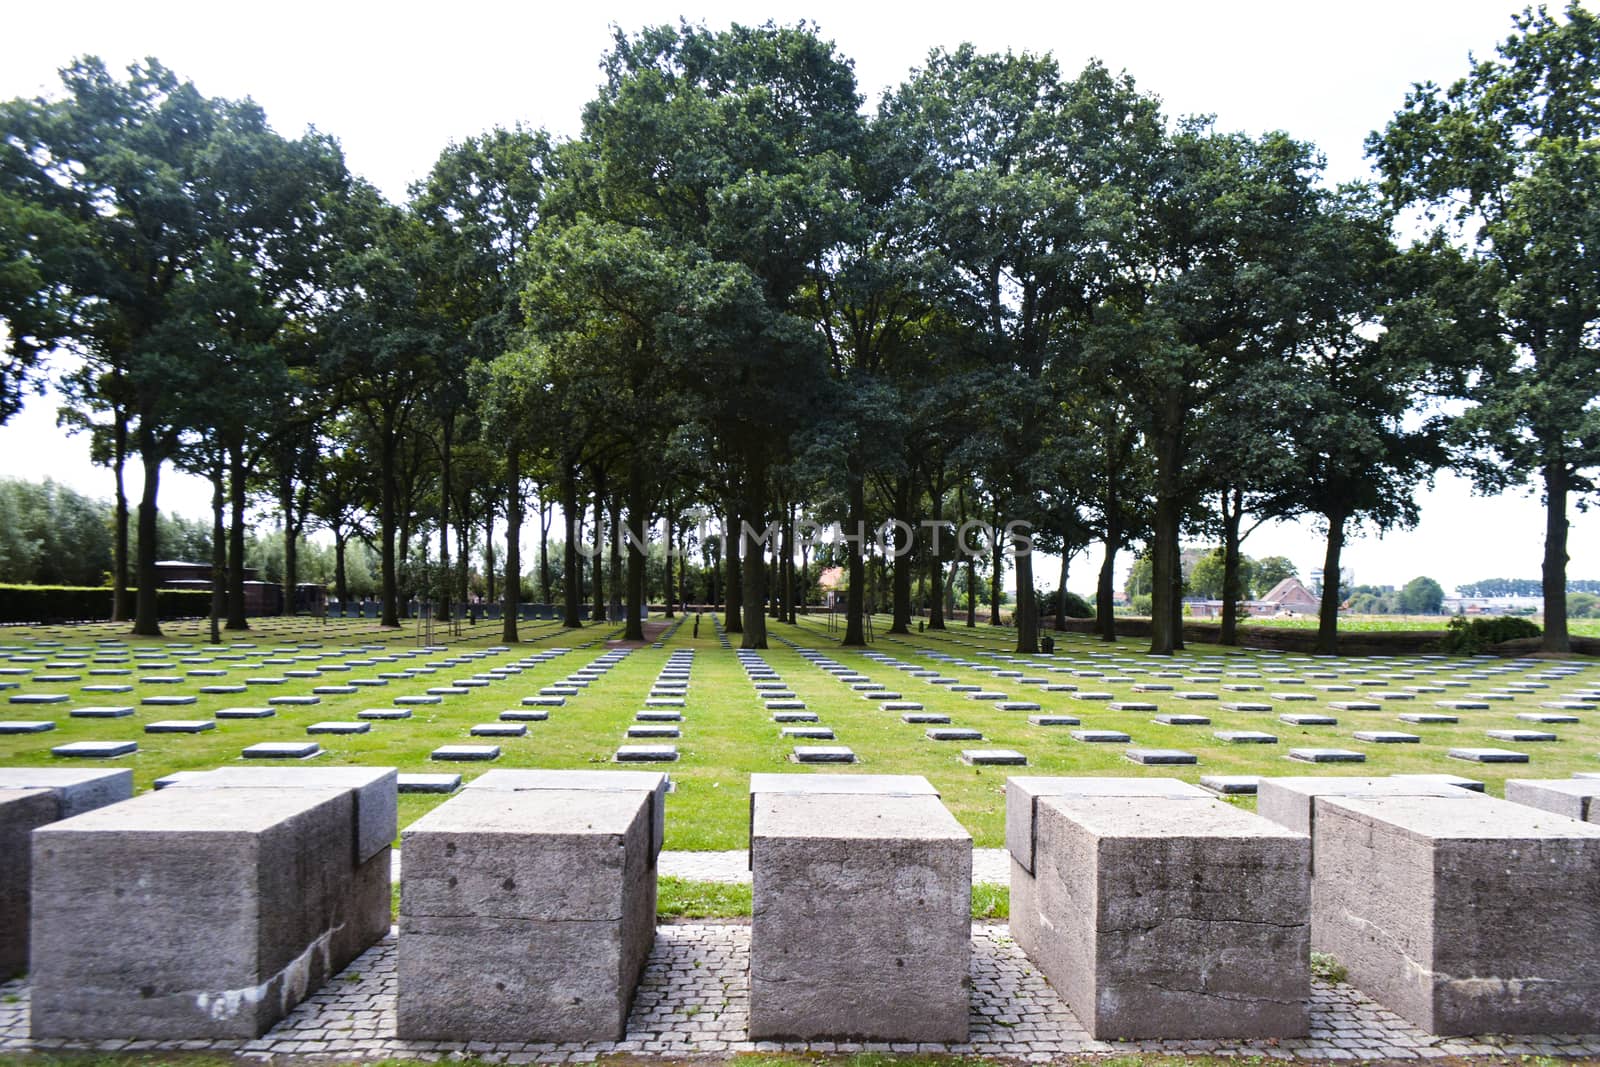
(1529, 587)
(1010, 297)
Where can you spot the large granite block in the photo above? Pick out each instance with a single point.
(862, 905)
(1289, 801)
(196, 914)
(528, 908)
(1573, 797)
(376, 795)
(1151, 931)
(1461, 913)
(31, 797)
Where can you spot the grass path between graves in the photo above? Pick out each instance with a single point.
(728, 733)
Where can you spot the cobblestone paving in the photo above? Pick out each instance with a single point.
(988, 865)
(693, 1001)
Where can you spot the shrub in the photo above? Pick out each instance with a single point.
(44, 603)
(1078, 608)
(1143, 603)
(1467, 637)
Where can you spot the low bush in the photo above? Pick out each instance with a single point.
(68, 603)
(1466, 637)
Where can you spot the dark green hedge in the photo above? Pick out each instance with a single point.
(1468, 637)
(65, 603)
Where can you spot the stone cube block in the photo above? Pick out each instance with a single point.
(526, 914)
(1150, 936)
(861, 925)
(1572, 797)
(1461, 913)
(197, 913)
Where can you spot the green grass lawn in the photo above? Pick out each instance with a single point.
(728, 734)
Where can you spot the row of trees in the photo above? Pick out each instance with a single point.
(1007, 294)
(1529, 587)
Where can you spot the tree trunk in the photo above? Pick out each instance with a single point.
(341, 584)
(146, 618)
(671, 550)
(572, 584)
(386, 523)
(1166, 576)
(936, 579)
(1232, 501)
(291, 553)
(509, 617)
(614, 548)
(442, 607)
(1061, 589)
(544, 551)
(997, 573)
(1105, 619)
(119, 535)
(1557, 484)
(1027, 614)
(219, 555)
(900, 588)
(856, 582)
(753, 594)
(489, 574)
(1328, 617)
(789, 589)
(237, 618)
(733, 575)
(633, 629)
(597, 610)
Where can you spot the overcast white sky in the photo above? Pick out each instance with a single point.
(396, 81)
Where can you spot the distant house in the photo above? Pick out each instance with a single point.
(1290, 595)
(832, 582)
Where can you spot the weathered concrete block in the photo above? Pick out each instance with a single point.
(527, 914)
(1149, 934)
(1288, 801)
(22, 811)
(376, 810)
(1574, 798)
(1461, 913)
(862, 914)
(223, 909)
(77, 791)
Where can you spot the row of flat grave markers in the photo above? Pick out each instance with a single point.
(660, 722)
(938, 728)
(1386, 672)
(510, 724)
(214, 666)
(795, 722)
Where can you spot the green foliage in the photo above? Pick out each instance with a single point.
(1327, 968)
(1271, 570)
(1077, 607)
(1466, 637)
(1421, 596)
(1583, 606)
(50, 535)
(43, 603)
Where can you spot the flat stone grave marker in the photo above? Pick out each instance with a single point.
(1099, 736)
(794, 716)
(100, 713)
(1568, 705)
(1292, 696)
(282, 750)
(1245, 737)
(172, 701)
(1182, 720)
(1231, 784)
(993, 757)
(499, 729)
(180, 726)
(1355, 705)
(543, 702)
(1548, 717)
(466, 753)
(244, 713)
(1243, 688)
(384, 714)
(447, 691)
(420, 699)
(1017, 705)
(24, 726)
(657, 716)
(39, 698)
(1244, 705)
(220, 690)
(1086, 695)
(1520, 735)
(654, 730)
(1152, 687)
(95, 749)
(1424, 718)
(294, 702)
(1487, 755)
(1159, 757)
(1326, 755)
(1386, 737)
(1194, 694)
(1132, 705)
(806, 733)
(1054, 720)
(429, 783)
(822, 754)
(953, 733)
